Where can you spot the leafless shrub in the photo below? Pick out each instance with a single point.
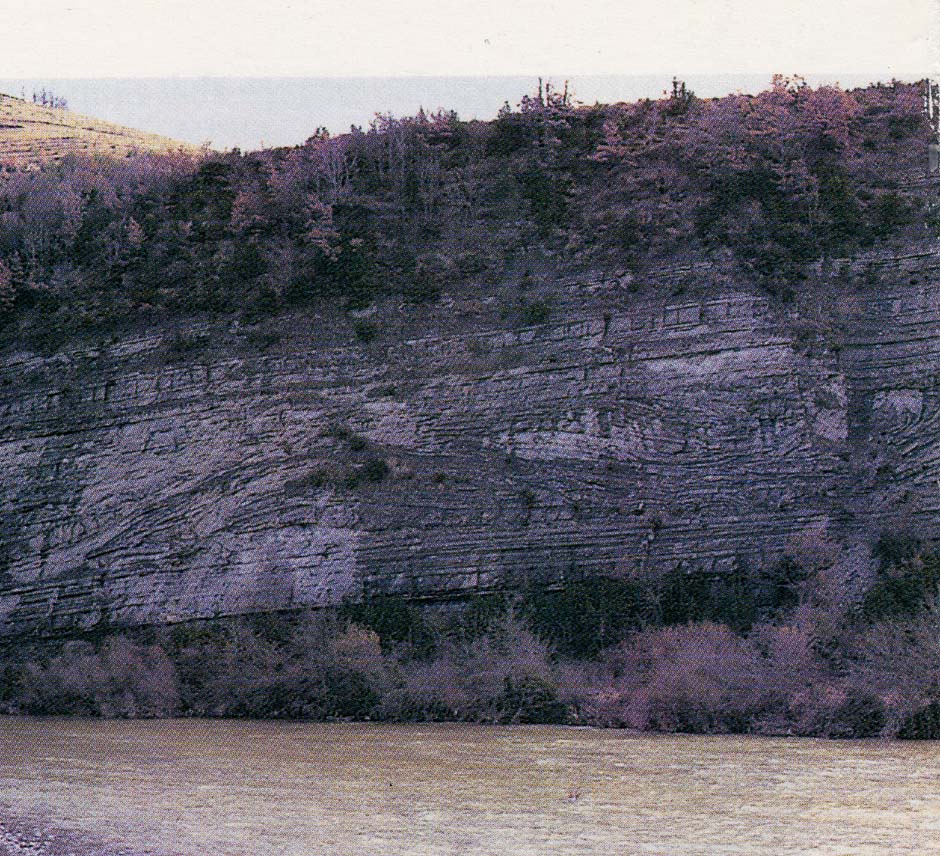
(816, 672)
(121, 679)
(703, 678)
(899, 663)
(700, 677)
(479, 679)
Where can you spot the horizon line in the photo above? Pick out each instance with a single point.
(397, 75)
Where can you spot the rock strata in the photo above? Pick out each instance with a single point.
(458, 452)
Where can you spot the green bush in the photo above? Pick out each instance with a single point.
(531, 700)
(584, 616)
(394, 619)
(738, 598)
(903, 589)
(699, 596)
(184, 345)
(337, 694)
(357, 443)
(375, 469)
(481, 614)
(860, 715)
(547, 195)
(306, 484)
(365, 331)
(536, 312)
(262, 339)
(10, 677)
(923, 724)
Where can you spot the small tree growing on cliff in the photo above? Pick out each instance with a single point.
(680, 98)
(47, 98)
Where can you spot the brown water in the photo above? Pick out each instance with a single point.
(222, 788)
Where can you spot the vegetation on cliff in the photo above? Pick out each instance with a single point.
(759, 185)
(682, 653)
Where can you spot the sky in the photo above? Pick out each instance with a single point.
(190, 38)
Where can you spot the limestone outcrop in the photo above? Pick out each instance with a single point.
(221, 469)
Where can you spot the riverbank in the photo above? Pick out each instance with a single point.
(819, 672)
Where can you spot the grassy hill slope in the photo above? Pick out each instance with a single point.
(30, 133)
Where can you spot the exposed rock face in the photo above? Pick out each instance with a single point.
(627, 434)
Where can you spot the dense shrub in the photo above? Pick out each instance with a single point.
(530, 700)
(336, 694)
(859, 715)
(365, 331)
(547, 196)
(922, 724)
(184, 345)
(306, 666)
(375, 469)
(121, 678)
(504, 675)
(898, 661)
(698, 678)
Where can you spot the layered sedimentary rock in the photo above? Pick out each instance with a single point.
(154, 479)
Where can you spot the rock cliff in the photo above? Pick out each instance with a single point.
(226, 469)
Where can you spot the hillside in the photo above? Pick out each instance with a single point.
(758, 187)
(658, 380)
(33, 134)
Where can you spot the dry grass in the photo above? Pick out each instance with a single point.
(31, 134)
